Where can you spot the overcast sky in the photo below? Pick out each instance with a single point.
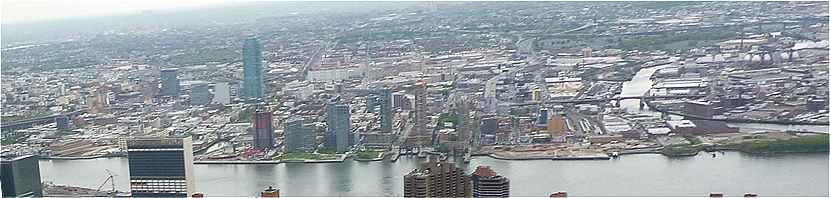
(19, 11)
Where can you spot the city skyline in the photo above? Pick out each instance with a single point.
(419, 99)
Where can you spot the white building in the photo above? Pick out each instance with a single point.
(222, 93)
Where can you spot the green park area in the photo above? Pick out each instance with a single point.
(758, 145)
(368, 154)
(800, 144)
(305, 156)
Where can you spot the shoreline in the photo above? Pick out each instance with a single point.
(493, 156)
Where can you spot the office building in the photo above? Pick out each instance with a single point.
(20, 176)
(436, 179)
(199, 93)
(816, 104)
(339, 127)
(161, 167)
(263, 130)
(536, 95)
(398, 99)
(543, 117)
(62, 122)
(252, 88)
(420, 126)
(486, 183)
(169, 82)
(222, 93)
(489, 126)
(587, 52)
(385, 110)
(298, 136)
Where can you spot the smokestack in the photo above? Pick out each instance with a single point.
(270, 193)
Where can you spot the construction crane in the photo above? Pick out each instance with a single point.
(111, 179)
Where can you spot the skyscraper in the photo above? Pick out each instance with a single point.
(252, 63)
(436, 179)
(161, 167)
(385, 111)
(543, 117)
(486, 183)
(222, 93)
(20, 176)
(199, 93)
(298, 136)
(62, 122)
(169, 82)
(339, 127)
(261, 123)
(420, 113)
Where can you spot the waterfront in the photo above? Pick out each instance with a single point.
(629, 175)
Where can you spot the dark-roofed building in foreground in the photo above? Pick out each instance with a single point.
(161, 167)
(436, 179)
(20, 176)
(486, 183)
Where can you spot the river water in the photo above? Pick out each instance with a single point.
(630, 175)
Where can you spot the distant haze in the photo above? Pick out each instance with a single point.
(23, 11)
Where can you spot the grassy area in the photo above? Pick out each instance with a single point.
(809, 143)
(680, 150)
(23, 116)
(448, 118)
(326, 151)
(305, 156)
(13, 138)
(368, 154)
(243, 115)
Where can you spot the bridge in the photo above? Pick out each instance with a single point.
(28, 123)
(598, 100)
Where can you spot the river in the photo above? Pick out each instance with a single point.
(630, 175)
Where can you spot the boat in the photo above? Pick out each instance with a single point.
(422, 154)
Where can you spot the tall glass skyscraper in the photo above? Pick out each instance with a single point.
(386, 111)
(169, 82)
(252, 62)
(339, 127)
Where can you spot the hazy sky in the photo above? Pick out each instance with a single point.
(17, 11)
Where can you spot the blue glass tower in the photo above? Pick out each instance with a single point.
(252, 62)
(169, 82)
